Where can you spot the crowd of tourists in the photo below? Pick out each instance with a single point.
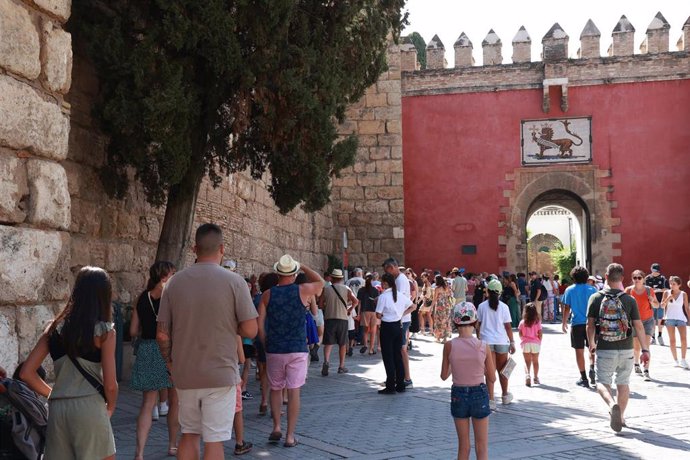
(198, 331)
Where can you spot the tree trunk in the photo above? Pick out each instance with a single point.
(175, 241)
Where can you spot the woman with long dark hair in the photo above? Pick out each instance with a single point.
(149, 373)
(494, 326)
(441, 307)
(390, 309)
(81, 343)
(510, 297)
(367, 297)
(425, 317)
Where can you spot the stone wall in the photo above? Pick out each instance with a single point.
(368, 197)
(35, 205)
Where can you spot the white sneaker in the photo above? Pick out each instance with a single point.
(163, 409)
(661, 340)
(155, 413)
(492, 405)
(507, 398)
(684, 364)
(676, 363)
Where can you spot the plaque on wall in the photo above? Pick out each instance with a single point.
(556, 140)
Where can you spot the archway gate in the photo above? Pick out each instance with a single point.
(531, 187)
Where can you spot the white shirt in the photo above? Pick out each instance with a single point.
(392, 311)
(492, 329)
(355, 283)
(402, 284)
(549, 287)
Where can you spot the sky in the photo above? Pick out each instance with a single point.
(448, 18)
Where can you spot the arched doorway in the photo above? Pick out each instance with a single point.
(557, 219)
(575, 188)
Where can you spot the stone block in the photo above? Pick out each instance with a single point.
(387, 166)
(396, 152)
(372, 207)
(29, 122)
(49, 201)
(376, 100)
(59, 8)
(127, 225)
(397, 206)
(35, 265)
(389, 193)
(31, 322)
(393, 127)
(9, 351)
(371, 179)
(14, 190)
(119, 257)
(389, 139)
(86, 146)
(128, 286)
(20, 47)
(371, 127)
(84, 217)
(380, 153)
(56, 57)
(150, 229)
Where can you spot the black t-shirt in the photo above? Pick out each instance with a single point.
(479, 290)
(148, 315)
(367, 298)
(537, 291)
(657, 282)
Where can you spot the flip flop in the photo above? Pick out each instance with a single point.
(616, 422)
(291, 444)
(172, 452)
(275, 436)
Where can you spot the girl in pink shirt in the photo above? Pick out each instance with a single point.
(530, 336)
(471, 364)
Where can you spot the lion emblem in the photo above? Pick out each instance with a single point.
(546, 141)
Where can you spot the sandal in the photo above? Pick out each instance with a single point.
(291, 444)
(172, 452)
(275, 436)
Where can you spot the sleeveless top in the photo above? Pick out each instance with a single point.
(643, 304)
(467, 357)
(285, 323)
(674, 307)
(69, 383)
(148, 314)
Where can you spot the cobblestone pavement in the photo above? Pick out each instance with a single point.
(343, 416)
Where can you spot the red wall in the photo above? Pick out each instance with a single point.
(457, 149)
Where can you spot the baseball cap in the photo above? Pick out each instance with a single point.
(464, 313)
(495, 285)
(656, 267)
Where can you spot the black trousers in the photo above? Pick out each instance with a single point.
(391, 352)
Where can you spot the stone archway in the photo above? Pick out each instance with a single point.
(539, 248)
(565, 186)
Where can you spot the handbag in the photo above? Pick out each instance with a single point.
(311, 329)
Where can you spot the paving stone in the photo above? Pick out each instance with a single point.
(343, 417)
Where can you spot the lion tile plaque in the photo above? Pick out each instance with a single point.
(556, 140)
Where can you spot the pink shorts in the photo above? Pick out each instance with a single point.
(286, 370)
(238, 400)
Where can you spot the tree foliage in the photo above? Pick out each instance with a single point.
(420, 45)
(192, 88)
(564, 260)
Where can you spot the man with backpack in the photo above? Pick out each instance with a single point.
(616, 314)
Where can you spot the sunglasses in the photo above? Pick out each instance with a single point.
(637, 277)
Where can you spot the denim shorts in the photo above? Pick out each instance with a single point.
(648, 326)
(466, 402)
(500, 349)
(658, 313)
(676, 323)
(405, 330)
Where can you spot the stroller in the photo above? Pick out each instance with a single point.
(29, 420)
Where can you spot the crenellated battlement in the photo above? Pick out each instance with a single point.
(554, 45)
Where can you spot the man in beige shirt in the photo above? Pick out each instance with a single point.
(336, 302)
(203, 309)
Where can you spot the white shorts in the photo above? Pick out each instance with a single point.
(208, 412)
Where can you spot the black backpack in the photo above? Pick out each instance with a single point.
(29, 418)
(543, 293)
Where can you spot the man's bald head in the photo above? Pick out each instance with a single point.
(208, 240)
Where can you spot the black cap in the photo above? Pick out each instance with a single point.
(656, 267)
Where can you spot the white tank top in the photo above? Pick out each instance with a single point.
(674, 308)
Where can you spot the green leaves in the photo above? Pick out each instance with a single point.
(231, 85)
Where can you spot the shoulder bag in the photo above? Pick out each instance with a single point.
(89, 378)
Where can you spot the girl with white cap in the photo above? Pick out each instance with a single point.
(469, 361)
(495, 329)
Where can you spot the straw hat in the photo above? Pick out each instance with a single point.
(337, 273)
(286, 266)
